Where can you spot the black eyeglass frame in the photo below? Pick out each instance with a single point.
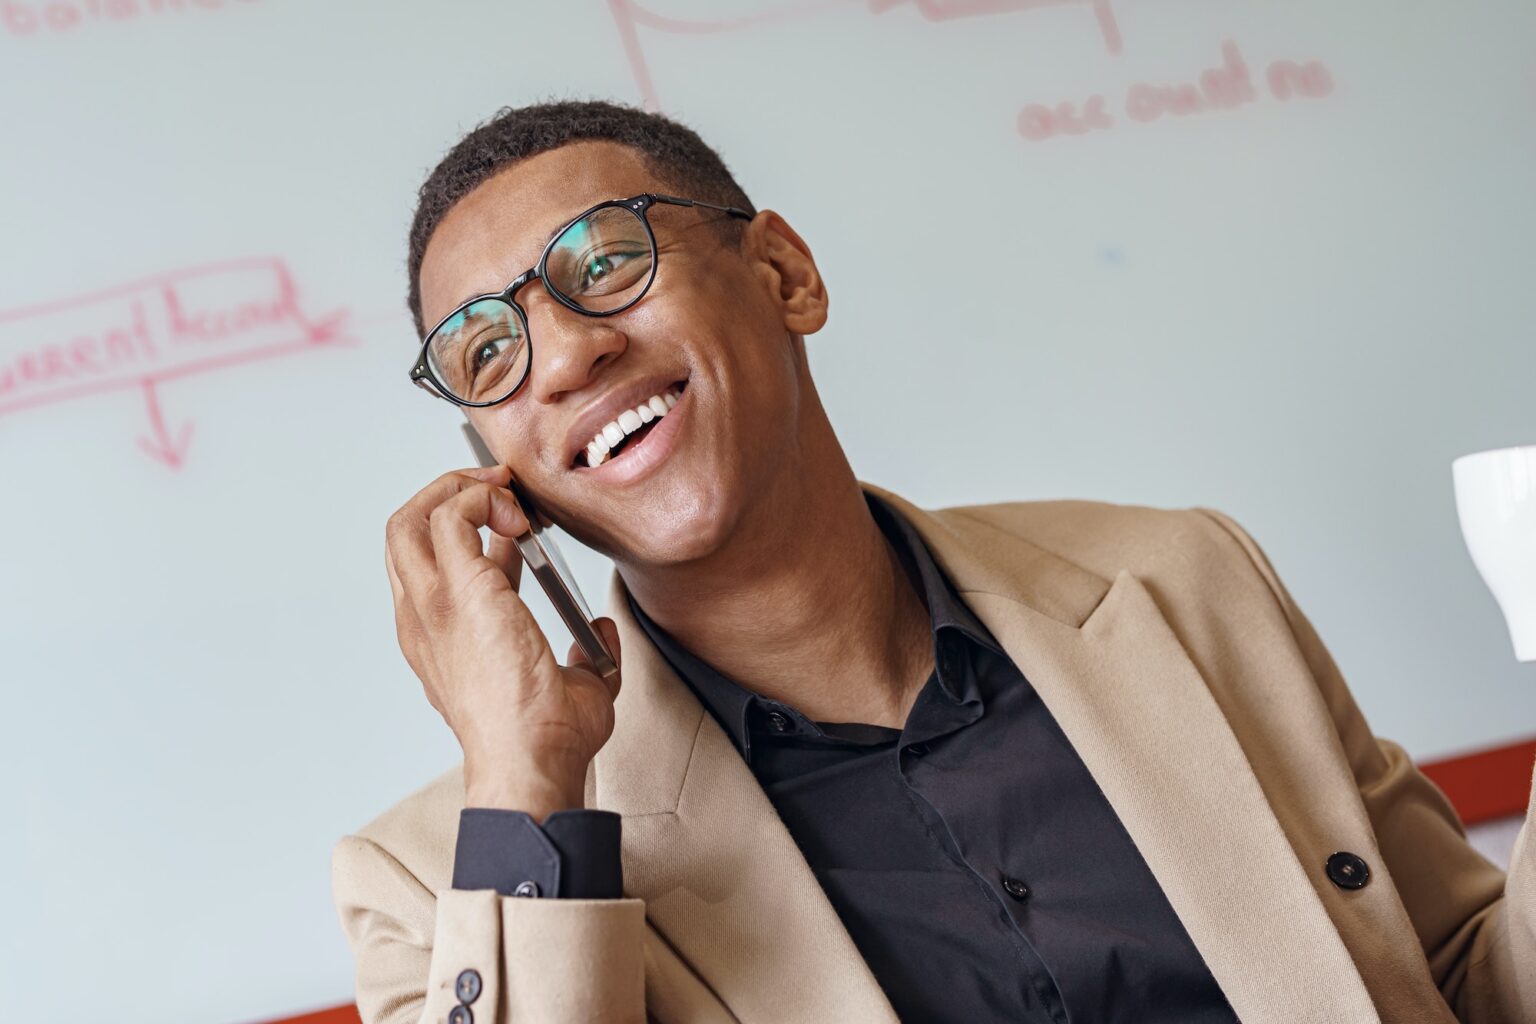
(422, 375)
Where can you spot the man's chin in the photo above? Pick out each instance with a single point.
(674, 530)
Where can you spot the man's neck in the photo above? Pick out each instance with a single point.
(811, 606)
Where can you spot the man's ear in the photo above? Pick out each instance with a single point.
(790, 270)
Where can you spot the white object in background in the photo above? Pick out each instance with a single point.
(1496, 500)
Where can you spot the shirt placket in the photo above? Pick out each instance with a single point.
(940, 713)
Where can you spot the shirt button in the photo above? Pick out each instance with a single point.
(468, 986)
(1348, 870)
(778, 722)
(917, 749)
(526, 889)
(460, 1015)
(1015, 888)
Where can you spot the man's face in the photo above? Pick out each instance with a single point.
(717, 328)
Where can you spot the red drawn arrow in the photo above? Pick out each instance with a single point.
(327, 330)
(161, 446)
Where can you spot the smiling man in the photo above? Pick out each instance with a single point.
(1036, 761)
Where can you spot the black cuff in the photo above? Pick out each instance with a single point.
(575, 855)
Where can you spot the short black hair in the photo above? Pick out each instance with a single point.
(673, 151)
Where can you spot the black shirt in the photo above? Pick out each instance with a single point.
(974, 861)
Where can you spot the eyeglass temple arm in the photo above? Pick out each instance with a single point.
(734, 211)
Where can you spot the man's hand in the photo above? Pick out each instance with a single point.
(529, 726)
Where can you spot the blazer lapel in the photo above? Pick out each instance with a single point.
(1135, 707)
(722, 879)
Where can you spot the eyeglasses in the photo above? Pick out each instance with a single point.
(599, 263)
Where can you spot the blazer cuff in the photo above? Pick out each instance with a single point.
(574, 855)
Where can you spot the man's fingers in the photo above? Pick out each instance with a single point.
(396, 588)
(407, 623)
(409, 530)
(503, 551)
(463, 567)
(455, 526)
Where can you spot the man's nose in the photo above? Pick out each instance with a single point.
(568, 348)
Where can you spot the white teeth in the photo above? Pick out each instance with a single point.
(629, 421)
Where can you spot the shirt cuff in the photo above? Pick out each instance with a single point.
(574, 855)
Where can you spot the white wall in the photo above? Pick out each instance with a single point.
(1296, 310)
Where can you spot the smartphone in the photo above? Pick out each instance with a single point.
(542, 556)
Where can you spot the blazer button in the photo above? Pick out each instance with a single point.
(460, 1015)
(1348, 871)
(526, 889)
(468, 986)
(1015, 888)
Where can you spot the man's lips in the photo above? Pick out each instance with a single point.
(607, 409)
(642, 456)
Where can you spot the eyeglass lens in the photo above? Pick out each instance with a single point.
(600, 263)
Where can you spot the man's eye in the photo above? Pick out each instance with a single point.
(600, 265)
(486, 352)
(597, 267)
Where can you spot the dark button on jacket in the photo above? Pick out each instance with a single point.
(1348, 870)
(970, 854)
(467, 986)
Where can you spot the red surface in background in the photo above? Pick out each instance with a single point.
(1483, 785)
(337, 1015)
(1486, 784)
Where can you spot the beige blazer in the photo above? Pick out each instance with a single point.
(1198, 695)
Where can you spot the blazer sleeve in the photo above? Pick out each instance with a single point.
(1476, 924)
(547, 960)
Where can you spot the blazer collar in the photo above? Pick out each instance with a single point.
(725, 884)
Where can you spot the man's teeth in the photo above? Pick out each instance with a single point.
(629, 421)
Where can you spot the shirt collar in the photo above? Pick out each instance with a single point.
(732, 704)
(945, 608)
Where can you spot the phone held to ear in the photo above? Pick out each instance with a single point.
(542, 556)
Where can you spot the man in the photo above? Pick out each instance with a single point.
(1037, 761)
